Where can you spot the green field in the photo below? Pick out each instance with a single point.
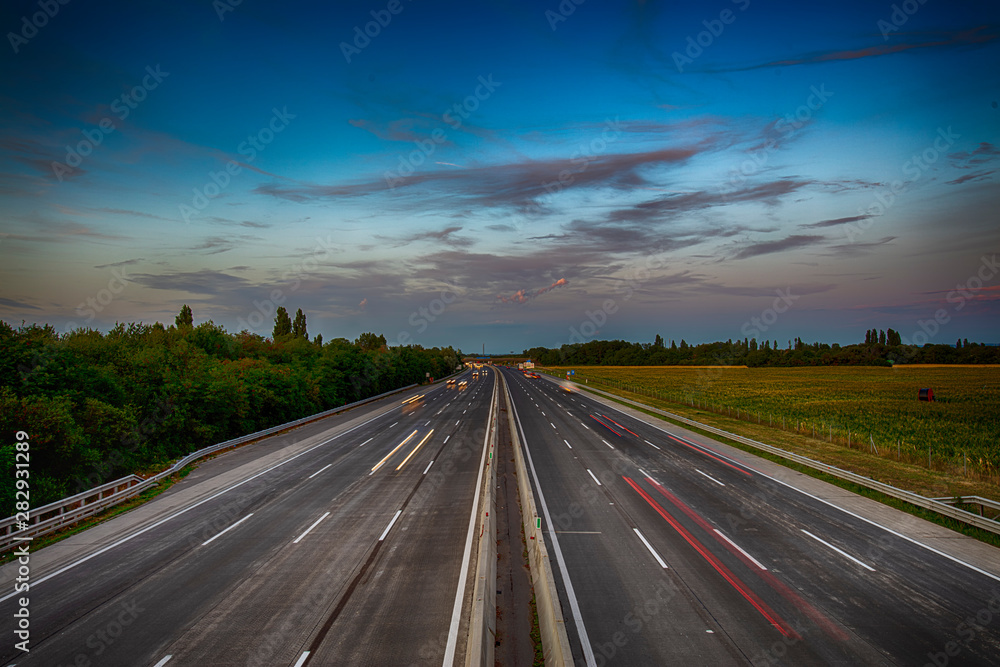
(863, 404)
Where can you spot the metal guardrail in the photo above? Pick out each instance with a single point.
(973, 500)
(939, 506)
(69, 510)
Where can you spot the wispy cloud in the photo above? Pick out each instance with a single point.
(771, 247)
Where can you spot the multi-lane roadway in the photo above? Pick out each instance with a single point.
(351, 540)
(347, 541)
(668, 549)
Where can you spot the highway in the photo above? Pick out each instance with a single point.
(669, 548)
(345, 541)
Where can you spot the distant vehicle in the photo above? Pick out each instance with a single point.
(451, 382)
(463, 384)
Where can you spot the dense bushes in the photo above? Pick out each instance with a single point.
(100, 406)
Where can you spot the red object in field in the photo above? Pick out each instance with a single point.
(927, 394)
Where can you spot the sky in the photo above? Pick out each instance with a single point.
(504, 175)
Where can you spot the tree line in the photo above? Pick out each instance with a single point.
(99, 406)
(881, 348)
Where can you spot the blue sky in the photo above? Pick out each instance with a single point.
(508, 174)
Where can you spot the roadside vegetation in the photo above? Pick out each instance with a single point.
(99, 406)
(868, 420)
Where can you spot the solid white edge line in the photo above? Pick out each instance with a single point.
(302, 659)
(214, 537)
(191, 507)
(315, 523)
(389, 527)
(595, 477)
(651, 549)
(740, 549)
(839, 551)
(163, 661)
(581, 629)
(428, 467)
(709, 476)
(319, 471)
(456, 612)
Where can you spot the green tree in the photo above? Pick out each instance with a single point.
(299, 325)
(282, 323)
(369, 341)
(185, 318)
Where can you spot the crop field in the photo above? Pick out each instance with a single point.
(867, 407)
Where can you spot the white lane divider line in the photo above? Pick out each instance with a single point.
(392, 424)
(366, 442)
(315, 523)
(839, 551)
(389, 527)
(428, 423)
(457, 421)
(319, 471)
(650, 444)
(740, 549)
(465, 410)
(567, 444)
(595, 477)
(607, 443)
(651, 549)
(446, 439)
(163, 661)
(552, 425)
(428, 467)
(709, 476)
(648, 476)
(302, 659)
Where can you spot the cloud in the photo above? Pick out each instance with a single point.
(859, 249)
(205, 281)
(975, 176)
(978, 35)
(770, 247)
(20, 305)
(122, 263)
(835, 222)
(523, 295)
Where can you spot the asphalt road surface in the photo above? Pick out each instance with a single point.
(668, 549)
(346, 541)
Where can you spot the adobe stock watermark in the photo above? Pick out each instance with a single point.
(714, 28)
(901, 13)
(121, 107)
(563, 11)
(30, 25)
(913, 169)
(585, 153)
(425, 148)
(968, 629)
(97, 303)
(786, 127)
(265, 309)
(958, 297)
(591, 325)
(381, 18)
(250, 148)
(425, 315)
